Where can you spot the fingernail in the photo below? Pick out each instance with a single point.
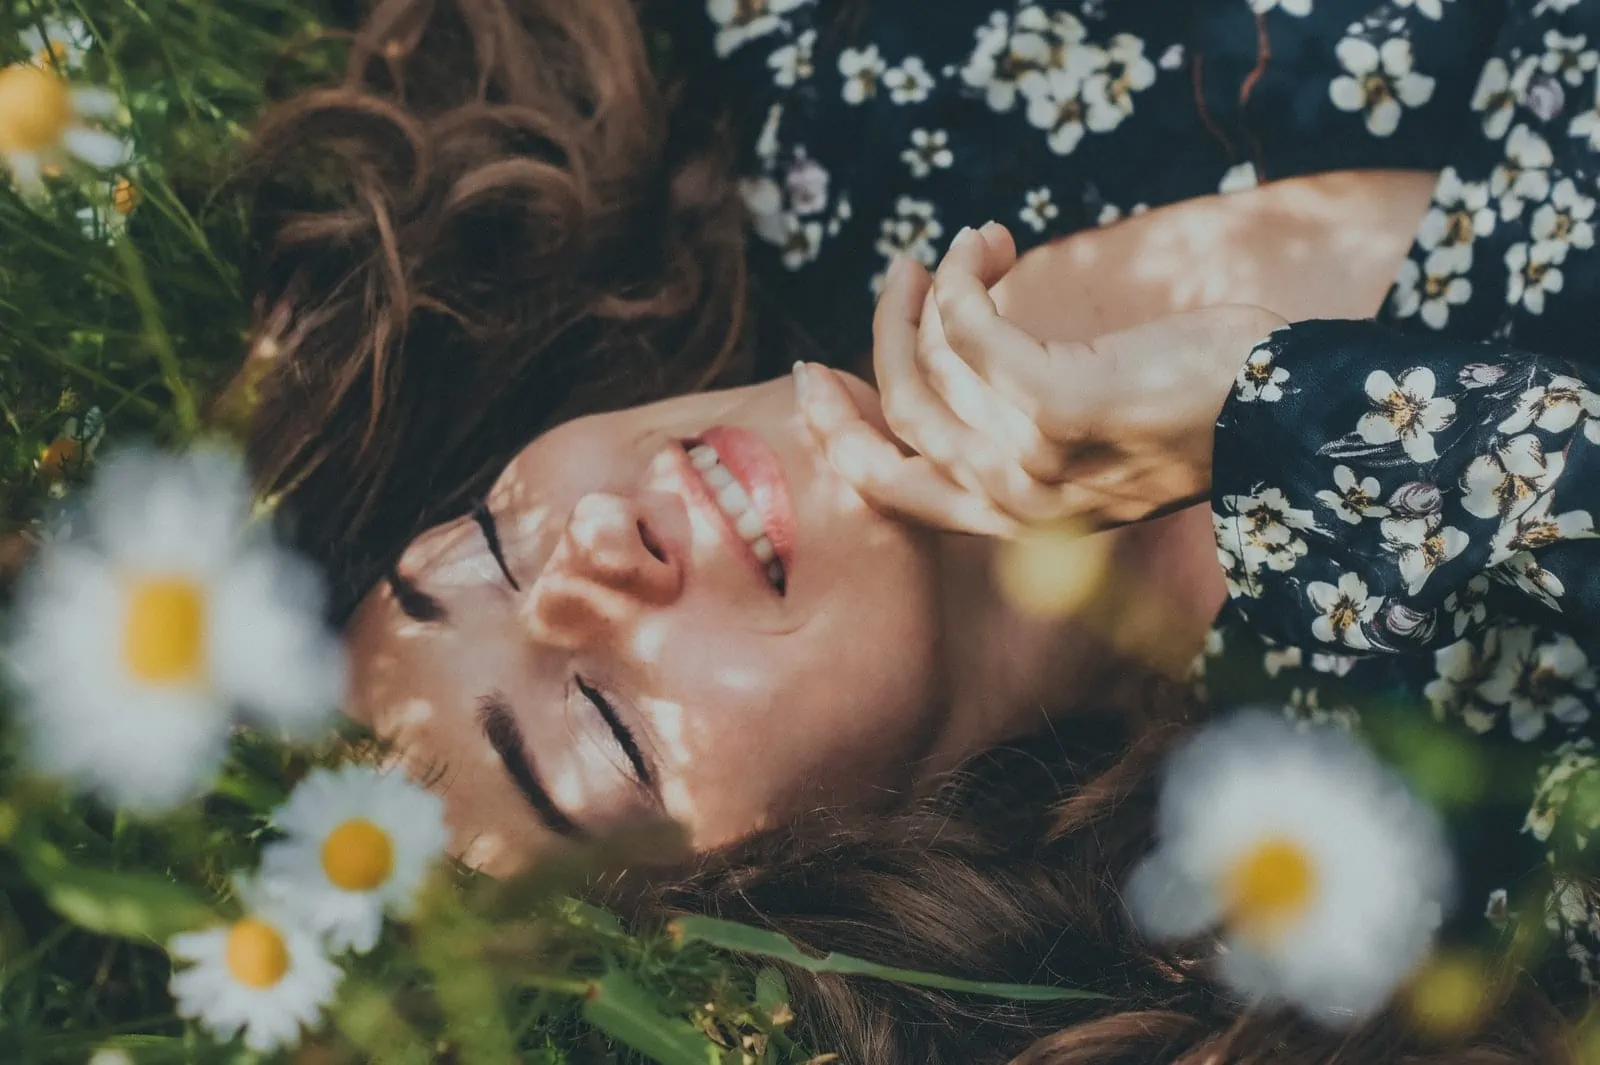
(802, 384)
(964, 233)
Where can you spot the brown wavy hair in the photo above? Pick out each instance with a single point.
(1011, 872)
(506, 215)
(509, 213)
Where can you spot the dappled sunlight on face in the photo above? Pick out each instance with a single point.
(652, 644)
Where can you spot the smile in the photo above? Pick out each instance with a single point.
(746, 483)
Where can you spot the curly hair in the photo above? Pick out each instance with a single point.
(500, 219)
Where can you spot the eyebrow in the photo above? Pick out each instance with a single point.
(415, 603)
(505, 736)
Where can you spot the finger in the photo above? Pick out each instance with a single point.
(973, 399)
(915, 412)
(908, 487)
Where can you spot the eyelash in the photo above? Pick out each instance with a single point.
(624, 735)
(491, 535)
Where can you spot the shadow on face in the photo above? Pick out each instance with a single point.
(672, 612)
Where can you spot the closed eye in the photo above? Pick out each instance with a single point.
(623, 735)
(491, 536)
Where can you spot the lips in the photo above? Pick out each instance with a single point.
(756, 469)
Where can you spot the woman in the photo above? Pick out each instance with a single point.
(523, 246)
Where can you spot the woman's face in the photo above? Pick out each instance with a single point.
(672, 612)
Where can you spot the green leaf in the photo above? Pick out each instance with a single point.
(368, 1019)
(772, 991)
(730, 935)
(626, 1012)
(137, 906)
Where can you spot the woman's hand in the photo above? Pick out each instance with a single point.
(1010, 430)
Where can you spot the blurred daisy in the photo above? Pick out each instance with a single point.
(360, 842)
(139, 635)
(42, 123)
(262, 974)
(62, 43)
(1323, 877)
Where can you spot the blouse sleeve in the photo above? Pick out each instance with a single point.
(1370, 484)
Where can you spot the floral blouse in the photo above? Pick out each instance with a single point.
(1404, 506)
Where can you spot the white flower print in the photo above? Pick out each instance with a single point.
(1539, 682)
(1524, 174)
(767, 142)
(1480, 375)
(1536, 528)
(1567, 57)
(908, 83)
(1109, 91)
(1380, 82)
(792, 63)
(763, 199)
(1406, 411)
(1430, 290)
(1533, 272)
(1466, 604)
(1498, 92)
(1112, 213)
(1563, 222)
(1259, 379)
(1460, 671)
(1505, 482)
(1038, 209)
(1059, 108)
(1352, 499)
(1275, 660)
(1298, 8)
(861, 67)
(1523, 572)
(1172, 58)
(1460, 215)
(1553, 407)
(1011, 59)
(1433, 9)
(1420, 545)
(1587, 123)
(1262, 532)
(929, 151)
(802, 241)
(1229, 552)
(1343, 608)
(742, 21)
(1238, 178)
(912, 231)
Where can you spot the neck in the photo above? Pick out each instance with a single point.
(1012, 670)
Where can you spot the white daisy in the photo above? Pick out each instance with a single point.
(359, 843)
(61, 44)
(1378, 81)
(138, 635)
(42, 123)
(261, 974)
(1325, 877)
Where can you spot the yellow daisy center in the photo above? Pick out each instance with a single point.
(35, 109)
(125, 196)
(53, 52)
(256, 954)
(1271, 885)
(358, 855)
(164, 632)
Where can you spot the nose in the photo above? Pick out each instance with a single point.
(605, 572)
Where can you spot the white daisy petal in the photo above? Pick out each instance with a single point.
(97, 147)
(95, 103)
(358, 844)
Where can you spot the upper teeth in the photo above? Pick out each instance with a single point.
(736, 504)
